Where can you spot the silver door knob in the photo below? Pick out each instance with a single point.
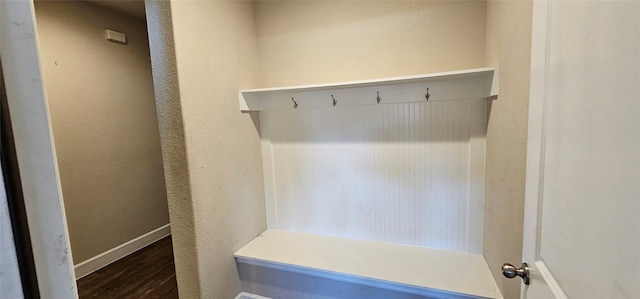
(510, 271)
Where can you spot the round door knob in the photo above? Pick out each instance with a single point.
(510, 271)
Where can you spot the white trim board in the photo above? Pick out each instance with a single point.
(410, 269)
(110, 256)
(35, 150)
(454, 85)
(10, 282)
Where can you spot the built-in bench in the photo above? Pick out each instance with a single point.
(408, 269)
(396, 161)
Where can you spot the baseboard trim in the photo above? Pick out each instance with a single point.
(104, 259)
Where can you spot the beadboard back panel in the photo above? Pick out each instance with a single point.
(409, 173)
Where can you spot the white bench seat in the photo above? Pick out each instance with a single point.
(411, 269)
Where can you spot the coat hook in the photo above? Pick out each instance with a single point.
(295, 104)
(334, 100)
(427, 95)
(378, 97)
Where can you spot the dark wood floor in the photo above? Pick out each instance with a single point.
(147, 273)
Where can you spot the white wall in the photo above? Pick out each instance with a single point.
(101, 102)
(508, 48)
(211, 151)
(304, 42)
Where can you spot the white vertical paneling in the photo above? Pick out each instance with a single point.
(403, 173)
(475, 220)
(267, 168)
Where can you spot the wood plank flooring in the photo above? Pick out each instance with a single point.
(146, 273)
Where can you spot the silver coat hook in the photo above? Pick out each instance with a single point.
(378, 97)
(427, 95)
(295, 104)
(334, 100)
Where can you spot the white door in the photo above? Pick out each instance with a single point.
(582, 214)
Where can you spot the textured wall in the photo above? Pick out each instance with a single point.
(100, 97)
(304, 42)
(211, 148)
(176, 168)
(214, 151)
(508, 48)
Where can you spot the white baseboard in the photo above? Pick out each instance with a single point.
(244, 295)
(99, 261)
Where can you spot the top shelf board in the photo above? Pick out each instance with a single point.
(455, 85)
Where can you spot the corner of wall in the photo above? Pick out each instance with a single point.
(174, 152)
(211, 150)
(508, 44)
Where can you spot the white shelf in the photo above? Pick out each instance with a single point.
(455, 85)
(411, 269)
